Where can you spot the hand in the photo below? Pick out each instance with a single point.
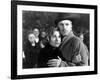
(54, 62)
(77, 58)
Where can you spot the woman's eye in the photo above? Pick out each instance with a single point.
(59, 36)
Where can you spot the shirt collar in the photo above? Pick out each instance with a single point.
(67, 37)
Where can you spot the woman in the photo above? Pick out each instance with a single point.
(44, 39)
(30, 52)
(51, 51)
(36, 33)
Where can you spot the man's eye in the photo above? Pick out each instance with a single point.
(54, 36)
(61, 24)
(67, 24)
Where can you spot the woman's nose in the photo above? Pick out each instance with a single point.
(57, 39)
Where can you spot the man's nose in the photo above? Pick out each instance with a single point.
(64, 26)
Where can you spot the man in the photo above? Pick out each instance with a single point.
(72, 48)
(81, 36)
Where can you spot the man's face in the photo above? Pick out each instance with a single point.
(81, 37)
(65, 26)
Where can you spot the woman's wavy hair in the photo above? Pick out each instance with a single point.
(52, 30)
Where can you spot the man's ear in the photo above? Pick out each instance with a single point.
(71, 26)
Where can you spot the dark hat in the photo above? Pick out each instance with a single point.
(67, 16)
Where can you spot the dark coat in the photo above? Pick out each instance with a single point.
(74, 50)
(47, 54)
(31, 53)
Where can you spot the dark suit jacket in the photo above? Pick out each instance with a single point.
(74, 51)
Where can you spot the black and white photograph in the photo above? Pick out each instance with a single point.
(50, 39)
(42, 34)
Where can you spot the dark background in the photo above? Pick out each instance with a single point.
(44, 20)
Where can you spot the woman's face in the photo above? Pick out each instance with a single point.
(55, 39)
(43, 34)
(36, 32)
(31, 38)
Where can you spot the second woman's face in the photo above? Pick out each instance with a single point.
(36, 32)
(31, 38)
(55, 39)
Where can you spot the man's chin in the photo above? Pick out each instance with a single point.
(63, 34)
(57, 45)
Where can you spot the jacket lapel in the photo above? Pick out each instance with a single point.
(66, 39)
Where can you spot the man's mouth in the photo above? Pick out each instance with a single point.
(57, 43)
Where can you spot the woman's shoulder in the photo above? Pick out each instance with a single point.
(43, 50)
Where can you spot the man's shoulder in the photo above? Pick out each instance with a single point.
(77, 42)
(75, 39)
